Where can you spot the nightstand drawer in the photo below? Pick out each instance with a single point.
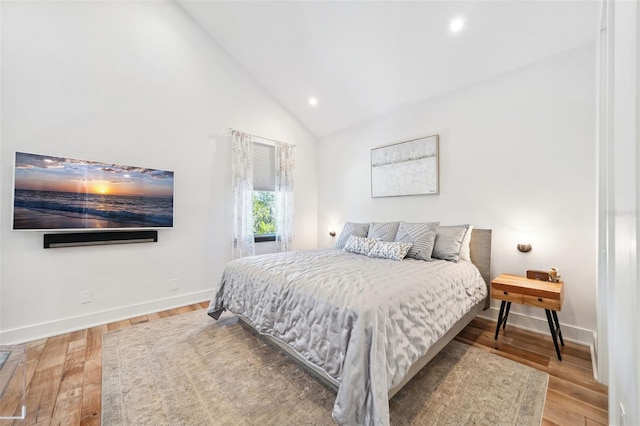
(541, 302)
(507, 295)
(526, 299)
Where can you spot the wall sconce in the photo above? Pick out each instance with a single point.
(332, 231)
(524, 248)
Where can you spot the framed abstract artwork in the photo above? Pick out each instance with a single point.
(405, 168)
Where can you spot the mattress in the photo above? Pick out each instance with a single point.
(364, 321)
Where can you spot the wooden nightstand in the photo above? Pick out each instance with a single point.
(543, 294)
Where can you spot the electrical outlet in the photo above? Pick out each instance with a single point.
(623, 415)
(86, 296)
(174, 285)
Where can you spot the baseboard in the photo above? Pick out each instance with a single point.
(68, 325)
(539, 325)
(577, 335)
(594, 362)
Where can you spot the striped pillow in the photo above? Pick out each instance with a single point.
(351, 228)
(421, 235)
(383, 231)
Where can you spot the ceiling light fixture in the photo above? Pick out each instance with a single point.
(456, 25)
(313, 101)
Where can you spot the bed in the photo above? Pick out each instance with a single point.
(363, 326)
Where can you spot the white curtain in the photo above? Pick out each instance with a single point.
(285, 163)
(242, 183)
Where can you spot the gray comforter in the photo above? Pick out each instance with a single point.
(362, 320)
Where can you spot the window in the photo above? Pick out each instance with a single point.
(264, 222)
(264, 185)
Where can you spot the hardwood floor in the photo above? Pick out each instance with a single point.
(64, 373)
(573, 396)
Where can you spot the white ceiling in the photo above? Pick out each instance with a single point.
(364, 59)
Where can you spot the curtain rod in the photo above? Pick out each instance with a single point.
(256, 136)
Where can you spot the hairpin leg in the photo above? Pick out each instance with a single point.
(553, 333)
(502, 305)
(555, 319)
(506, 316)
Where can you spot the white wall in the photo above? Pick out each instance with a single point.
(516, 156)
(134, 83)
(622, 192)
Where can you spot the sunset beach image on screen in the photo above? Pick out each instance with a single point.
(53, 193)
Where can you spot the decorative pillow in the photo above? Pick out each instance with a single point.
(390, 250)
(449, 242)
(465, 250)
(421, 235)
(359, 245)
(350, 228)
(383, 231)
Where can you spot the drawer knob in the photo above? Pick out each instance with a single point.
(539, 299)
(505, 292)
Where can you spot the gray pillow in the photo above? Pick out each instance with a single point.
(351, 228)
(421, 235)
(383, 231)
(449, 242)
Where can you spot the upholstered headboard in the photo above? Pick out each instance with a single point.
(480, 248)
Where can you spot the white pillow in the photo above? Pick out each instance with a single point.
(359, 245)
(390, 250)
(465, 250)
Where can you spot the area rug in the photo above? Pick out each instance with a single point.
(192, 370)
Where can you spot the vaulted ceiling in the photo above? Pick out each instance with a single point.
(363, 59)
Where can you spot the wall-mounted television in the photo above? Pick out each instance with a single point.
(55, 193)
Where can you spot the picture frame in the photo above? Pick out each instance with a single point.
(406, 168)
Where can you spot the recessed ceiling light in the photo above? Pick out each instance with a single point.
(313, 101)
(456, 25)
